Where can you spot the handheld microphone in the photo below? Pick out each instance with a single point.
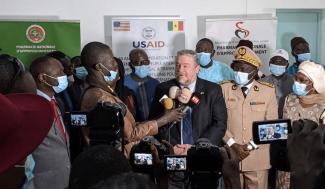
(167, 102)
(193, 101)
(184, 96)
(174, 92)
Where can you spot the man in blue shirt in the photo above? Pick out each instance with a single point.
(142, 85)
(300, 50)
(211, 70)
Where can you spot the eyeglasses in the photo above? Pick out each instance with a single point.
(18, 66)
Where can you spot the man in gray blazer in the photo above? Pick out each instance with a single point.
(52, 161)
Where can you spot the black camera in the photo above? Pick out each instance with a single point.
(105, 122)
(271, 131)
(161, 148)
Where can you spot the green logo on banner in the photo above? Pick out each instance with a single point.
(35, 33)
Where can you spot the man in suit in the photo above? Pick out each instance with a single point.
(52, 162)
(208, 119)
(248, 100)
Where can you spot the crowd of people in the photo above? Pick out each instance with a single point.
(41, 147)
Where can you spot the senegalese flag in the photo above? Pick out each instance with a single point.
(175, 25)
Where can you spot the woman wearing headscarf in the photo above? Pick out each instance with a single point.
(306, 102)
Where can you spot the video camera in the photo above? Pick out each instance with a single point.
(271, 131)
(105, 123)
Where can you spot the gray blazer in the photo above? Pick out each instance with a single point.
(52, 162)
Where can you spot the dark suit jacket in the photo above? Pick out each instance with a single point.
(209, 118)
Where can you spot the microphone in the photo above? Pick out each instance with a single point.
(174, 92)
(184, 96)
(193, 101)
(167, 102)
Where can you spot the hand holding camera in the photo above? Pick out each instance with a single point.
(241, 151)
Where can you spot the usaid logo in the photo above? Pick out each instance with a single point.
(148, 33)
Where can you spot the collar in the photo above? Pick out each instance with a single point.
(249, 85)
(190, 86)
(42, 94)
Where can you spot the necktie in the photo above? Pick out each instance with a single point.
(244, 89)
(58, 119)
(187, 127)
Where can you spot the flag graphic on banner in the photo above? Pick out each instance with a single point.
(121, 26)
(175, 25)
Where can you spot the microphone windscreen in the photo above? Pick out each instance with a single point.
(195, 99)
(185, 96)
(168, 103)
(174, 92)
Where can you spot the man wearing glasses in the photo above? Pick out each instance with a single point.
(139, 81)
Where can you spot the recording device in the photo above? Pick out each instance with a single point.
(175, 163)
(271, 131)
(204, 156)
(105, 123)
(161, 148)
(174, 92)
(77, 118)
(167, 102)
(142, 159)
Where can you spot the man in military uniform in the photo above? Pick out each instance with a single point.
(248, 100)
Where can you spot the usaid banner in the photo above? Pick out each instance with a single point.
(30, 39)
(226, 33)
(161, 38)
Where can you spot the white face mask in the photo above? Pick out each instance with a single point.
(241, 78)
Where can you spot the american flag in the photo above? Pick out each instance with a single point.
(121, 26)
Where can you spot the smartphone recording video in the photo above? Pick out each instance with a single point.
(265, 132)
(175, 163)
(78, 119)
(142, 159)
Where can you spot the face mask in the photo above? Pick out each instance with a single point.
(63, 83)
(299, 89)
(304, 57)
(204, 58)
(277, 70)
(111, 76)
(142, 71)
(241, 78)
(81, 73)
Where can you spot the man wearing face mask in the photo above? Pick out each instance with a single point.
(281, 80)
(211, 70)
(101, 80)
(248, 100)
(300, 50)
(139, 81)
(52, 161)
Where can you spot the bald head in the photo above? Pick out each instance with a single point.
(94, 53)
(44, 64)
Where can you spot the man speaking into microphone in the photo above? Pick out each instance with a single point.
(204, 105)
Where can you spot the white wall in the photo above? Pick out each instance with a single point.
(91, 12)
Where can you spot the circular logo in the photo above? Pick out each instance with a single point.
(242, 51)
(148, 33)
(35, 33)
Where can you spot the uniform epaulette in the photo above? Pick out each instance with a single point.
(226, 81)
(266, 84)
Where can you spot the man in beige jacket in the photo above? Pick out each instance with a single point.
(248, 100)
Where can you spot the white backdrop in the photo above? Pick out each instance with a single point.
(226, 33)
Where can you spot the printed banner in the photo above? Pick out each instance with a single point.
(28, 39)
(226, 34)
(161, 38)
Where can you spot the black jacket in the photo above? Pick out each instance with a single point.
(209, 118)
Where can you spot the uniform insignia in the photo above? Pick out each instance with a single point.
(234, 87)
(256, 103)
(242, 51)
(266, 84)
(256, 88)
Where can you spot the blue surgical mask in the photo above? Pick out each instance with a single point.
(81, 72)
(277, 70)
(142, 71)
(241, 78)
(63, 83)
(111, 76)
(303, 57)
(299, 89)
(204, 58)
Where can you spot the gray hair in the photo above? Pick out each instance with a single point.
(187, 52)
